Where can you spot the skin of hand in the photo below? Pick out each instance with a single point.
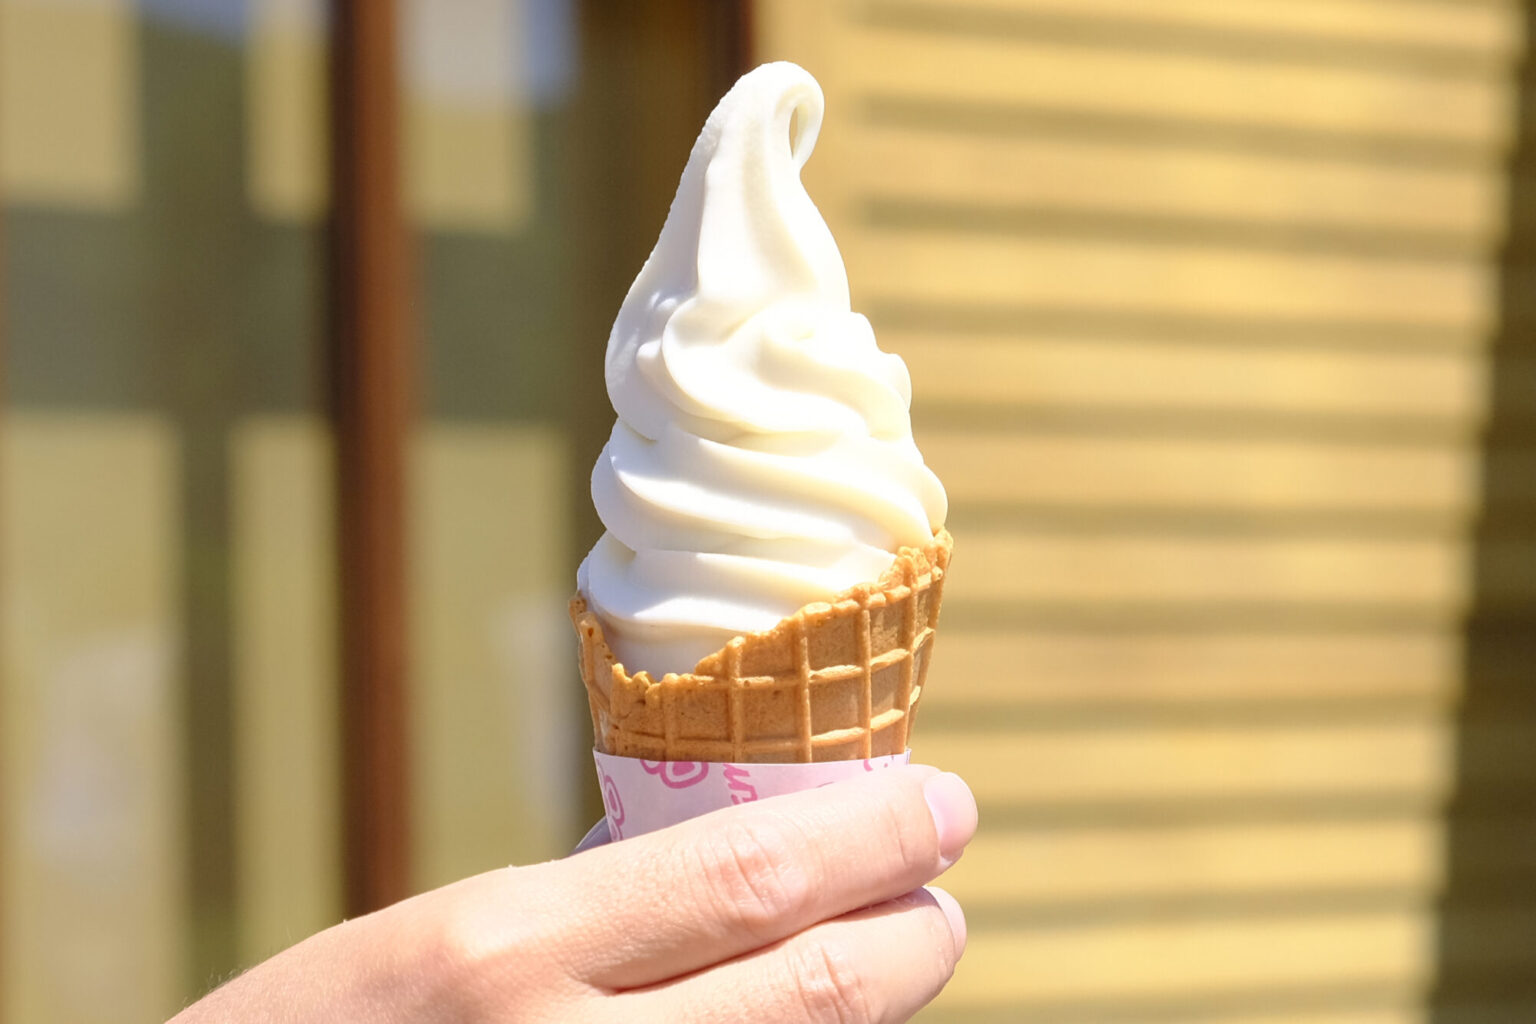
(808, 907)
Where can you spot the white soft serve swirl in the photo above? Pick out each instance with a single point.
(763, 455)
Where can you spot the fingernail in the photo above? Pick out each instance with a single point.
(954, 814)
(952, 913)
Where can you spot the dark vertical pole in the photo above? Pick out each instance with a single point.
(371, 323)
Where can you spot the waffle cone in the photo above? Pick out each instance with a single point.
(835, 681)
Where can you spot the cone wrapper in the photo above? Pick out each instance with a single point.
(642, 796)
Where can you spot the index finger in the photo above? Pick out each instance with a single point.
(738, 879)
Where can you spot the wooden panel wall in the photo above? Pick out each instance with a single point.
(1202, 303)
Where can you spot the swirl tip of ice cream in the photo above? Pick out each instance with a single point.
(762, 458)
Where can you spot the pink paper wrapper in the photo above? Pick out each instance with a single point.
(642, 796)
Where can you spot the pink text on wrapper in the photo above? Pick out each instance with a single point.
(641, 796)
(613, 804)
(742, 791)
(677, 774)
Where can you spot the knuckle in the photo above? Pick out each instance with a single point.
(471, 959)
(753, 873)
(461, 947)
(453, 960)
(829, 988)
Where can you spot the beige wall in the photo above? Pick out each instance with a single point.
(1204, 368)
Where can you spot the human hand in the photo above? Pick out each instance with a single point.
(803, 908)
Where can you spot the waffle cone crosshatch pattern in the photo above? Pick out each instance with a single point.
(836, 681)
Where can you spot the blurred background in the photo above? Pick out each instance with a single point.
(1219, 316)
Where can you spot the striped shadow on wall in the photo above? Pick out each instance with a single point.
(1218, 317)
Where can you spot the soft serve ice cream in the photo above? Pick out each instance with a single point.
(763, 457)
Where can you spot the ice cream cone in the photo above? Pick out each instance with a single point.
(834, 681)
